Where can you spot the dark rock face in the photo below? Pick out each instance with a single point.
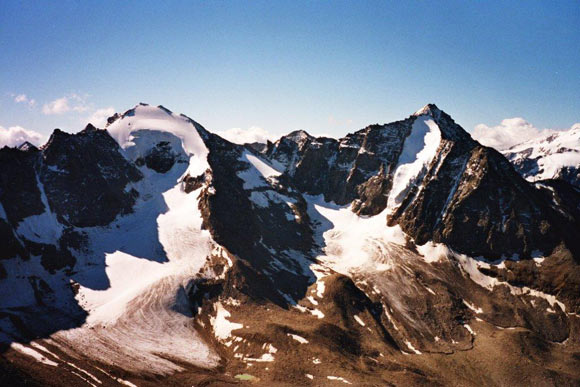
(192, 183)
(19, 192)
(562, 195)
(258, 146)
(525, 166)
(570, 174)
(81, 178)
(85, 177)
(373, 194)
(11, 246)
(335, 168)
(487, 210)
(256, 234)
(161, 158)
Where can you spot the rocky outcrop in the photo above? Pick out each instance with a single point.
(81, 179)
(86, 177)
(256, 230)
(19, 184)
(477, 204)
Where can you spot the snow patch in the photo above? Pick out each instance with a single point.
(410, 346)
(472, 307)
(353, 243)
(221, 326)
(419, 149)
(359, 320)
(257, 173)
(299, 339)
(267, 357)
(339, 378)
(471, 265)
(433, 252)
(153, 120)
(469, 329)
(43, 228)
(32, 353)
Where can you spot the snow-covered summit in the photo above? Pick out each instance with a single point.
(430, 109)
(299, 136)
(142, 128)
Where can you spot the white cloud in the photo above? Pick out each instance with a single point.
(243, 136)
(16, 135)
(72, 102)
(509, 132)
(332, 121)
(22, 98)
(99, 117)
(58, 106)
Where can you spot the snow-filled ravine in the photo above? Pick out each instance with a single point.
(419, 149)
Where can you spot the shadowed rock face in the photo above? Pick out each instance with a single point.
(278, 276)
(489, 211)
(85, 177)
(254, 233)
(82, 179)
(19, 193)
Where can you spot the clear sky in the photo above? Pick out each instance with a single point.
(324, 66)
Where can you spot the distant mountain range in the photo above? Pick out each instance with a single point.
(156, 252)
(553, 156)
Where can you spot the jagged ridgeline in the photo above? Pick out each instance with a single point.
(154, 251)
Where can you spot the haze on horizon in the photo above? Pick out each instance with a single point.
(325, 67)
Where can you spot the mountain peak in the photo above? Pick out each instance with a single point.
(430, 109)
(27, 146)
(89, 128)
(298, 135)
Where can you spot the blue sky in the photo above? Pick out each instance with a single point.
(324, 66)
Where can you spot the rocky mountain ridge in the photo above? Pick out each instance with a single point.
(404, 253)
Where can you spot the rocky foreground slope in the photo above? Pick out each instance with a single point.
(154, 251)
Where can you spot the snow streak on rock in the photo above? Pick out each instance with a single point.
(418, 152)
